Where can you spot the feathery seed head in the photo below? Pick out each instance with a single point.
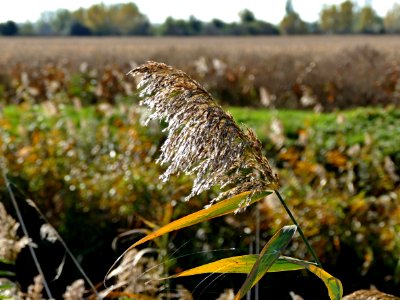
(203, 140)
(10, 244)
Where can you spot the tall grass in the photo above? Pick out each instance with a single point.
(84, 146)
(205, 141)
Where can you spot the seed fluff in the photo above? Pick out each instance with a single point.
(203, 140)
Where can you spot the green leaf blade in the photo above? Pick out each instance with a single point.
(269, 254)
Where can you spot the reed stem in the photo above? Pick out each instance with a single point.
(24, 229)
(310, 249)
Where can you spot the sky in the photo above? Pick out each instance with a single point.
(158, 10)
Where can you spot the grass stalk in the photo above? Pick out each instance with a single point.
(310, 249)
(71, 255)
(24, 229)
(256, 288)
(60, 239)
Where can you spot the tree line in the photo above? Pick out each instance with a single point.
(126, 19)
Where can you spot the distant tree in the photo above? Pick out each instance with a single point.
(338, 19)
(173, 26)
(126, 19)
(346, 17)
(80, 15)
(329, 19)
(314, 28)
(26, 29)
(43, 26)
(98, 20)
(291, 22)
(8, 28)
(392, 19)
(44, 29)
(289, 7)
(195, 26)
(235, 29)
(249, 25)
(368, 21)
(246, 16)
(78, 29)
(54, 22)
(61, 22)
(142, 28)
(117, 19)
(218, 23)
(263, 28)
(215, 27)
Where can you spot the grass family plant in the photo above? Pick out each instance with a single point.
(205, 142)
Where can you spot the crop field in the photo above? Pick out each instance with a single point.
(142, 48)
(321, 73)
(73, 140)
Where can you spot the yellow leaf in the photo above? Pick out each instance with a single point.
(221, 208)
(238, 264)
(334, 286)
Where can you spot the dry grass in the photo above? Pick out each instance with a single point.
(320, 72)
(140, 49)
(203, 140)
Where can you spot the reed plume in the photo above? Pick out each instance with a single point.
(10, 244)
(203, 140)
(370, 295)
(75, 291)
(35, 289)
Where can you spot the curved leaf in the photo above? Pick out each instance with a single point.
(243, 264)
(238, 264)
(334, 286)
(219, 209)
(268, 255)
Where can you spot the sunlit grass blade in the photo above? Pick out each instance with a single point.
(219, 209)
(238, 264)
(243, 264)
(269, 254)
(334, 286)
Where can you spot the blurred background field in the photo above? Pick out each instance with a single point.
(325, 107)
(320, 72)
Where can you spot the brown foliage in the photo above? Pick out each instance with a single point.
(308, 72)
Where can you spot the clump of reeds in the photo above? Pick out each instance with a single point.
(138, 273)
(35, 289)
(203, 140)
(75, 291)
(370, 295)
(10, 243)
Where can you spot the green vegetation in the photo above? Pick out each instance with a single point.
(340, 173)
(72, 140)
(292, 120)
(353, 125)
